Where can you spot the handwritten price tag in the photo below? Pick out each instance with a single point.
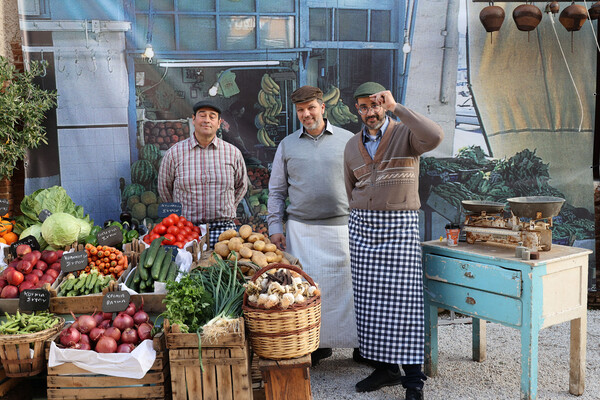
(166, 209)
(110, 236)
(76, 261)
(115, 301)
(34, 300)
(3, 206)
(44, 214)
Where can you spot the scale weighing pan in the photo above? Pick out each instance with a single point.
(536, 207)
(478, 206)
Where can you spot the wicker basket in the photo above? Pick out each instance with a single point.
(277, 334)
(18, 360)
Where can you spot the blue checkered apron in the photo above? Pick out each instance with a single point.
(216, 228)
(387, 276)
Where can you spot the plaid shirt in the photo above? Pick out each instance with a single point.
(209, 182)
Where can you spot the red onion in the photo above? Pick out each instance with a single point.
(144, 331)
(96, 333)
(140, 317)
(84, 338)
(75, 325)
(106, 344)
(85, 346)
(113, 332)
(129, 335)
(98, 318)
(86, 323)
(130, 310)
(69, 336)
(107, 315)
(123, 321)
(105, 324)
(125, 348)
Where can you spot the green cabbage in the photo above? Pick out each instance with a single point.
(61, 229)
(85, 230)
(35, 231)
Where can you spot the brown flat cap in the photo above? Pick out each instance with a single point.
(306, 93)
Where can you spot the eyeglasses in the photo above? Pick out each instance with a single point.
(362, 110)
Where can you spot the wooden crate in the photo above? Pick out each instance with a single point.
(226, 365)
(6, 383)
(67, 381)
(286, 379)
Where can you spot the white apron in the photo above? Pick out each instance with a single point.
(324, 253)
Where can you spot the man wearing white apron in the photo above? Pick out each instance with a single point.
(308, 167)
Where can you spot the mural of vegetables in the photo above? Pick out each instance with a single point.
(336, 111)
(269, 99)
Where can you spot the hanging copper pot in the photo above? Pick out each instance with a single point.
(554, 7)
(492, 18)
(573, 17)
(527, 17)
(595, 11)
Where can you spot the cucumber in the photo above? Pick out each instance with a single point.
(158, 262)
(153, 251)
(92, 281)
(173, 271)
(144, 273)
(136, 276)
(130, 279)
(142, 258)
(142, 287)
(164, 269)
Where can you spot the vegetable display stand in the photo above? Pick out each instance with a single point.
(66, 381)
(18, 360)
(286, 379)
(93, 302)
(226, 363)
(278, 334)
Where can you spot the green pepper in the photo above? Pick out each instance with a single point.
(91, 239)
(95, 229)
(132, 234)
(116, 223)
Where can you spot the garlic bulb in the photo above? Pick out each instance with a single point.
(286, 300)
(272, 301)
(262, 299)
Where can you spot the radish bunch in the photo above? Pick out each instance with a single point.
(104, 334)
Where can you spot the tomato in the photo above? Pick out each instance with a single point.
(178, 244)
(153, 236)
(175, 217)
(160, 229)
(168, 221)
(180, 238)
(189, 238)
(185, 230)
(196, 229)
(183, 219)
(173, 230)
(180, 224)
(169, 239)
(195, 236)
(189, 224)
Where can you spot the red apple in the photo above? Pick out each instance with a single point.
(49, 256)
(55, 266)
(37, 272)
(9, 292)
(59, 253)
(6, 271)
(25, 266)
(3, 283)
(26, 285)
(31, 257)
(14, 263)
(14, 277)
(33, 278)
(47, 278)
(41, 265)
(52, 272)
(23, 249)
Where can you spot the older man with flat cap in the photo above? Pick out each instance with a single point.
(381, 165)
(205, 174)
(308, 167)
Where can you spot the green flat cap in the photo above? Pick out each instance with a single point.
(367, 89)
(306, 93)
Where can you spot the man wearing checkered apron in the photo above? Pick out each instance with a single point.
(381, 171)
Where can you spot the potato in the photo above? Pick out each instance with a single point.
(222, 249)
(270, 247)
(245, 260)
(245, 231)
(259, 259)
(279, 252)
(245, 252)
(233, 256)
(259, 245)
(248, 245)
(271, 257)
(235, 244)
(279, 257)
(266, 239)
(228, 234)
(285, 261)
(253, 238)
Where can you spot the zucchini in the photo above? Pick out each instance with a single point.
(158, 262)
(173, 271)
(164, 269)
(153, 251)
(130, 279)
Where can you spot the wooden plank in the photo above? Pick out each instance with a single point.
(209, 378)
(178, 385)
(288, 384)
(577, 346)
(223, 373)
(11, 354)
(70, 368)
(137, 392)
(241, 379)
(80, 381)
(190, 340)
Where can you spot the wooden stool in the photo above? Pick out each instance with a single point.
(286, 379)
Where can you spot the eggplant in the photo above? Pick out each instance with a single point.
(126, 226)
(108, 222)
(125, 217)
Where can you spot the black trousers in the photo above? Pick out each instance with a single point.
(413, 377)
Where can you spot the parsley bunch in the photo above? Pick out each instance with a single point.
(188, 304)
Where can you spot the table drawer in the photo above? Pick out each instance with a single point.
(490, 278)
(475, 303)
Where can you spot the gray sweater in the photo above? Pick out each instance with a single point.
(311, 173)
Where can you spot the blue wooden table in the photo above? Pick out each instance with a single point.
(487, 282)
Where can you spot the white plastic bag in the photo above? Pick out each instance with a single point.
(125, 365)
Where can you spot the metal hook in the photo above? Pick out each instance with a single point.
(43, 62)
(93, 56)
(78, 67)
(108, 60)
(58, 63)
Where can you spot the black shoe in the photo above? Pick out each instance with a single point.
(358, 358)
(379, 378)
(320, 354)
(414, 394)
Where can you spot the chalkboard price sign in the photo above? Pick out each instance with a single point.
(166, 209)
(3, 206)
(76, 261)
(175, 250)
(115, 301)
(110, 236)
(44, 214)
(34, 300)
(29, 240)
